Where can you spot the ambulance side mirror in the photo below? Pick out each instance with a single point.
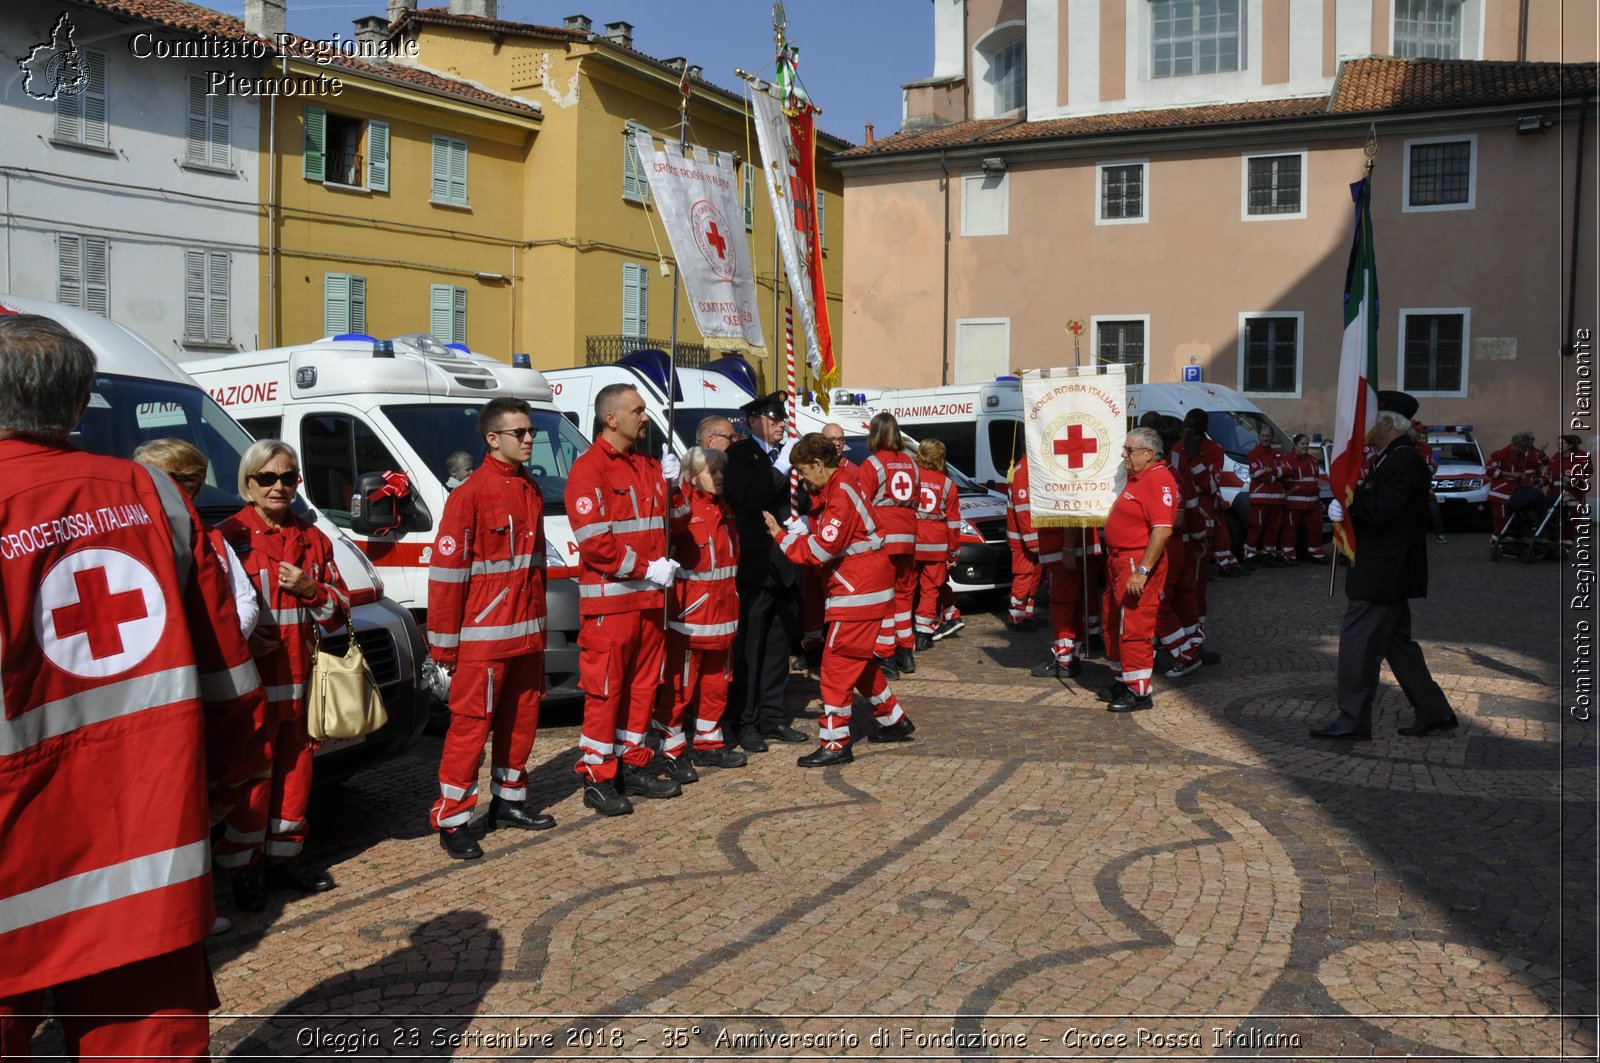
(383, 503)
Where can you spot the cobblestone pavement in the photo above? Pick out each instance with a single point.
(1032, 877)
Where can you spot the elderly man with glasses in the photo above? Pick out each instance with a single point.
(1137, 530)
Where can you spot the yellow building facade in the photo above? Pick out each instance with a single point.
(590, 283)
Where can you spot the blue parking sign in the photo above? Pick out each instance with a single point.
(1191, 374)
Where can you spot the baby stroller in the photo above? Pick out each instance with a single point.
(1533, 530)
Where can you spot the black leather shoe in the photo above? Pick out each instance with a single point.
(249, 892)
(604, 799)
(1114, 691)
(752, 741)
(899, 731)
(905, 661)
(720, 758)
(293, 875)
(924, 641)
(1340, 729)
(637, 782)
(503, 813)
(886, 666)
(786, 734)
(1416, 730)
(680, 770)
(824, 757)
(1128, 701)
(460, 844)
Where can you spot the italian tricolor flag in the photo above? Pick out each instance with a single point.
(1358, 366)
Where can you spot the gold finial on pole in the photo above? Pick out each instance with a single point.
(1371, 148)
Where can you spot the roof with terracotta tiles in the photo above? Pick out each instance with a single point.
(204, 21)
(1363, 85)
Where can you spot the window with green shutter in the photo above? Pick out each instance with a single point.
(447, 313)
(449, 171)
(635, 185)
(749, 196)
(378, 156)
(314, 144)
(344, 305)
(635, 300)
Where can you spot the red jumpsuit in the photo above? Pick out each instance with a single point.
(1178, 622)
(701, 622)
(1508, 470)
(617, 503)
(1147, 502)
(1303, 511)
(1065, 553)
(1024, 542)
(811, 592)
(270, 820)
(127, 691)
(844, 543)
(486, 621)
(938, 542)
(1569, 476)
(1266, 502)
(1205, 469)
(888, 481)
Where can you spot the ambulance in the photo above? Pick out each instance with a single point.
(362, 410)
(139, 395)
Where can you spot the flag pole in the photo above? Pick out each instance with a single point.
(677, 280)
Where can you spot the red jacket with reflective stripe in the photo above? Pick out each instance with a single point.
(617, 503)
(888, 481)
(290, 620)
(486, 583)
(124, 686)
(938, 517)
(1205, 472)
(1304, 488)
(1507, 470)
(1266, 476)
(705, 600)
(857, 573)
(1019, 512)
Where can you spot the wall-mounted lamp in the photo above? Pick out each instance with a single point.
(1533, 123)
(994, 165)
(492, 278)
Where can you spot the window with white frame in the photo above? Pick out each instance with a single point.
(635, 183)
(1008, 77)
(1269, 352)
(209, 136)
(339, 149)
(1195, 37)
(1441, 173)
(83, 273)
(1433, 351)
(1122, 191)
(207, 280)
(1428, 29)
(1000, 70)
(449, 171)
(344, 304)
(635, 300)
(1122, 340)
(82, 117)
(984, 204)
(1275, 185)
(447, 313)
(983, 349)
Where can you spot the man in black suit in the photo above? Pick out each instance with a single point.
(1390, 514)
(767, 581)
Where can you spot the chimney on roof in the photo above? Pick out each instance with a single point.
(872, 138)
(371, 30)
(398, 8)
(620, 33)
(677, 63)
(480, 8)
(578, 23)
(266, 18)
(696, 72)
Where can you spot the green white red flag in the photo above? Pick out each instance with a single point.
(1357, 407)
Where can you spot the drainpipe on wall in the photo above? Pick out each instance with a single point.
(1577, 229)
(1522, 33)
(944, 314)
(272, 214)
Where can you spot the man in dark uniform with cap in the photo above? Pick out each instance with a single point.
(1389, 514)
(768, 584)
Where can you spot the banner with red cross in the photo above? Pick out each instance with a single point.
(1074, 423)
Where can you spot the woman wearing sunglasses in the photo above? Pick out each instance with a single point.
(290, 564)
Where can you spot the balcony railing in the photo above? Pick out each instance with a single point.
(343, 168)
(604, 350)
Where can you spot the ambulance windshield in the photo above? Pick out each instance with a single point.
(445, 437)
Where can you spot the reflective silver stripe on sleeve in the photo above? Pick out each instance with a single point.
(103, 885)
(873, 598)
(682, 511)
(704, 630)
(933, 549)
(589, 531)
(287, 616)
(818, 551)
(1024, 508)
(235, 682)
(1045, 559)
(329, 608)
(788, 540)
(510, 564)
(629, 560)
(508, 631)
(861, 509)
(899, 537)
(615, 588)
(102, 703)
(447, 575)
(641, 524)
(711, 574)
(865, 546)
(444, 642)
(285, 692)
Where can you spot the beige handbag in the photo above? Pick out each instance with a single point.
(342, 699)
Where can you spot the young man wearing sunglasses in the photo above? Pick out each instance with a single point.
(486, 626)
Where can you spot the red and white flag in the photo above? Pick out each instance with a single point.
(1357, 407)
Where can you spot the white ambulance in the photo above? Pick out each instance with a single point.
(359, 408)
(139, 395)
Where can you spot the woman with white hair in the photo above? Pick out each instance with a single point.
(290, 563)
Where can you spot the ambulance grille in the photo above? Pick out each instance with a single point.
(467, 374)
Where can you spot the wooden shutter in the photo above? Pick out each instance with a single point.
(97, 275)
(194, 296)
(458, 312)
(749, 196)
(458, 172)
(336, 304)
(441, 170)
(378, 156)
(635, 300)
(441, 312)
(314, 147)
(69, 270)
(199, 149)
(635, 186)
(219, 283)
(221, 133)
(96, 129)
(358, 304)
(822, 220)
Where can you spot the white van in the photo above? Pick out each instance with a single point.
(357, 408)
(140, 395)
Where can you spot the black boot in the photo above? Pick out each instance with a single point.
(639, 782)
(899, 731)
(459, 843)
(886, 666)
(516, 814)
(293, 875)
(680, 769)
(604, 799)
(720, 758)
(825, 757)
(905, 661)
(249, 891)
(924, 641)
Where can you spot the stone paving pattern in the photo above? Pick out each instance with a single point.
(1203, 865)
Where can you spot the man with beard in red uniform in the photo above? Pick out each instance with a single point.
(486, 624)
(617, 502)
(126, 688)
(1137, 530)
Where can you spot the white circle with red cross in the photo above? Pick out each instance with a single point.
(1076, 445)
(712, 237)
(99, 612)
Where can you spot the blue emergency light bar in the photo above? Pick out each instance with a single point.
(462, 347)
(522, 360)
(360, 337)
(1465, 428)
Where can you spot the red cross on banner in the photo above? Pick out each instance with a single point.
(715, 238)
(98, 613)
(1075, 446)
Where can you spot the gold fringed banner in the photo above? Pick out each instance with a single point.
(1074, 422)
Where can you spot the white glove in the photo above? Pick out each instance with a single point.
(801, 523)
(1335, 511)
(662, 571)
(670, 466)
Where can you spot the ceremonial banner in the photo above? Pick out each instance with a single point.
(1074, 422)
(795, 217)
(1357, 405)
(699, 203)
